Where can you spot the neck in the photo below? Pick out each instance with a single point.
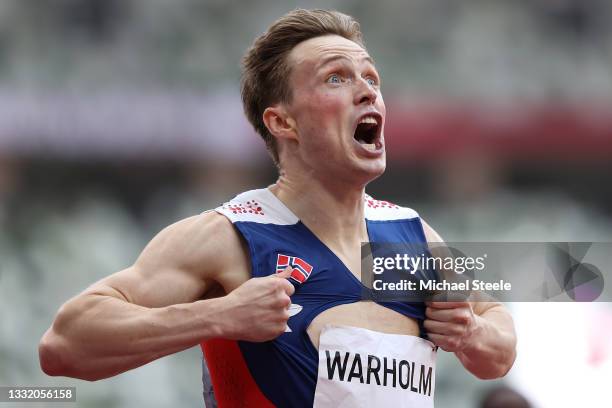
(332, 211)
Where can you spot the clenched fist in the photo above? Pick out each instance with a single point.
(450, 325)
(258, 309)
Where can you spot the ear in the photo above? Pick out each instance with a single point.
(280, 124)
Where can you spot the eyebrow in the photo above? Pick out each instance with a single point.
(341, 57)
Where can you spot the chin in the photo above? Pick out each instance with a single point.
(376, 173)
(371, 171)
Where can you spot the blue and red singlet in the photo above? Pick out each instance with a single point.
(284, 372)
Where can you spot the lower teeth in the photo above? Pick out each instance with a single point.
(371, 146)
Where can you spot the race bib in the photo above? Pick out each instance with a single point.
(364, 368)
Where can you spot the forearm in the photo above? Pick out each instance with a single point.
(492, 349)
(99, 336)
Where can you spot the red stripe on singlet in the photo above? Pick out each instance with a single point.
(232, 382)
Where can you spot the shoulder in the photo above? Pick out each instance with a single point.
(380, 210)
(259, 206)
(386, 210)
(202, 244)
(192, 232)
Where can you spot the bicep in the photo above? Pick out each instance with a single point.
(178, 266)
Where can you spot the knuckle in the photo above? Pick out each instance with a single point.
(286, 301)
(286, 284)
(464, 317)
(283, 302)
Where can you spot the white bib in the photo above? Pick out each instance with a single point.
(364, 368)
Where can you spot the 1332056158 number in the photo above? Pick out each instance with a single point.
(37, 394)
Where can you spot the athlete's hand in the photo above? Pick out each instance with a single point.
(450, 325)
(258, 309)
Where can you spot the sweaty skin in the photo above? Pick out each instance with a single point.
(192, 282)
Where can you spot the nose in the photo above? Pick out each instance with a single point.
(365, 93)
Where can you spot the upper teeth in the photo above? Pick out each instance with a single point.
(369, 119)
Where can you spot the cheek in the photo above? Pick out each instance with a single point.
(324, 111)
(332, 110)
(326, 106)
(330, 101)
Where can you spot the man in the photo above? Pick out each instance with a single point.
(269, 283)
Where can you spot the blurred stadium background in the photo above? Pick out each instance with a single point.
(120, 117)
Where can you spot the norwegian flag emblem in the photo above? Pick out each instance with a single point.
(301, 268)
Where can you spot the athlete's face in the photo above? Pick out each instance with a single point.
(338, 109)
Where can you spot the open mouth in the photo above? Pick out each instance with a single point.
(367, 132)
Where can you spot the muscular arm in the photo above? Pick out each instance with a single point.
(155, 307)
(480, 333)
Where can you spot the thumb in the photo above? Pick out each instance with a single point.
(286, 273)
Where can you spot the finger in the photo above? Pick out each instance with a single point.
(289, 288)
(446, 343)
(443, 328)
(286, 286)
(289, 304)
(284, 301)
(447, 315)
(447, 305)
(448, 296)
(440, 315)
(460, 316)
(285, 273)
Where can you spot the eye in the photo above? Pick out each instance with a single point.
(334, 79)
(371, 81)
